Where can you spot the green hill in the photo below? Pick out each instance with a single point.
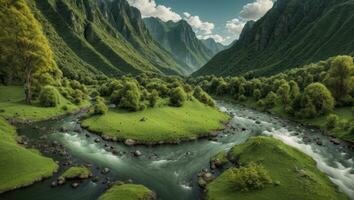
(89, 37)
(179, 39)
(291, 34)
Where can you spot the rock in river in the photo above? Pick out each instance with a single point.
(129, 142)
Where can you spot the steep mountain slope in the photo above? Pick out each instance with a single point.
(212, 45)
(92, 36)
(292, 33)
(179, 39)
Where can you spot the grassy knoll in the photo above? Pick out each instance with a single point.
(77, 172)
(293, 173)
(128, 192)
(19, 166)
(12, 105)
(167, 124)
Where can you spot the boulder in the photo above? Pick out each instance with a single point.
(75, 185)
(105, 170)
(137, 153)
(129, 142)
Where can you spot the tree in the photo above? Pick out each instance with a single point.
(203, 97)
(270, 100)
(177, 97)
(332, 121)
(257, 94)
(284, 94)
(100, 108)
(339, 78)
(128, 97)
(25, 51)
(153, 98)
(294, 90)
(49, 96)
(318, 99)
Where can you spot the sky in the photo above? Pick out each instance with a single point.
(222, 20)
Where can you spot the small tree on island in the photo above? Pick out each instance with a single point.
(177, 97)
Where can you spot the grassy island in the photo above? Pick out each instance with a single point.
(159, 124)
(19, 166)
(77, 172)
(291, 174)
(128, 192)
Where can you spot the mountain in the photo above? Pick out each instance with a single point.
(291, 34)
(212, 45)
(180, 40)
(90, 37)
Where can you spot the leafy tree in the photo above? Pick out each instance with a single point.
(49, 96)
(339, 79)
(257, 94)
(270, 100)
(100, 108)
(177, 97)
(332, 121)
(203, 97)
(294, 90)
(153, 98)
(251, 177)
(317, 99)
(25, 52)
(128, 97)
(284, 94)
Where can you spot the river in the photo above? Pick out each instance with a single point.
(170, 170)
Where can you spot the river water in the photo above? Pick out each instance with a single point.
(170, 170)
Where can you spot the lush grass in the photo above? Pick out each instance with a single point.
(19, 166)
(221, 157)
(77, 172)
(294, 173)
(12, 106)
(128, 192)
(163, 123)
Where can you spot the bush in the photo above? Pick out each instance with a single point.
(49, 97)
(257, 94)
(242, 98)
(332, 121)
(128, 97)
(203, 97)
(251, 177)
(100, 108)
(177, 97)
(153, 98)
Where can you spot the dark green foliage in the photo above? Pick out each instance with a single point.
(203, 96)
(289, 35)
(49, 97)
(128, 97)
(250, 177)
(257, 94)
(284, 94)
(270, 100)
(332, 121)
(177, 97)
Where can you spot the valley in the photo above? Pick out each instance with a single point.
(160, 100)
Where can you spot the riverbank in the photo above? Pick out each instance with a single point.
(20, 167)
(293, 174)
(343, 113)
(128, 192)
(14, 108)
(160, 125)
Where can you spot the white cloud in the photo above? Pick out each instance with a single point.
(256, 10)
(235, 26)
(149, 8)
(216, 37)
(201, 27)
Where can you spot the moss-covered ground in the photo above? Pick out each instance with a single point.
(128, 192)
(160, 124)
(293, 173)
(77, 172)
(19, 166)
(12, 105)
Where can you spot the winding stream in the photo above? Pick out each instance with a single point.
(170, 170)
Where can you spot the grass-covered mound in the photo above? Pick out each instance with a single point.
(20, 167)
(12, 105)
(293, 174)
(77, 172)
(159, 124)
(128, 192)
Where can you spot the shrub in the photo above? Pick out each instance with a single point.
(332, 121)
(153, 98)
(78, 96)
(177, 97)
(49, 97)
(251, 177)
(203, 97)
(257, 94)
(128, 97)
(242, 98)
(100, 108)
